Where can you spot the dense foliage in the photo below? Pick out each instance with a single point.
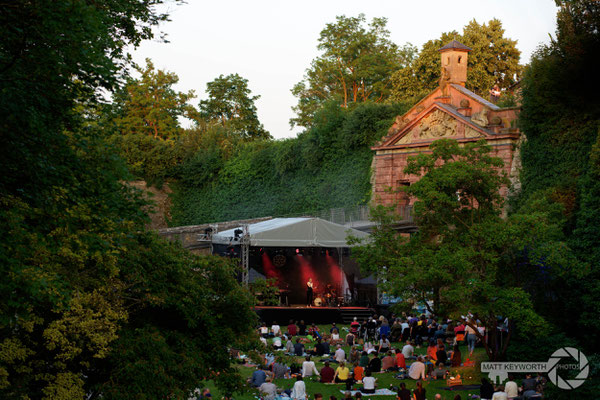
(230, 105)
(356, 66)
(494, 60)
(327, 166)
(466, 257)
(92, 305)
(561, 121)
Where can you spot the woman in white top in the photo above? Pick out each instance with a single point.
(299, 389)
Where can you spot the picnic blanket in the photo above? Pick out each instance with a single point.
(378, 392)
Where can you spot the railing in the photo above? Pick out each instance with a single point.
(353, 216)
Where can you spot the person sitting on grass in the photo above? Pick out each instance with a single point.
(277, 343)
(350, 339)
(456, 359)
(335, 337)
(400, 360)
(318, 396)
(408, 350)
(417, 369)
(440, 354)
(403, 392)
(299, 389)
(486, 390)
(364, 360)
(375, 364)
(358, 372)
(499, 393)
(342, 373)
(340, 354)
(280, 370)
(308, 368)
(432, 350)
(289, 346)
(268, 389)
(327, 373)
(354, 355)
(369, 383)
(388, 363)
(292, 328)
(384, 344)
(419, 392)
(258, 377)
(358, 396)
(298, 348)
(440, 372)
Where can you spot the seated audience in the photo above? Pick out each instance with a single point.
(417, 369)
(309, 368)
(369, 383)
(327, 373)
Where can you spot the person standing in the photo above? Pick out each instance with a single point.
(309, 292)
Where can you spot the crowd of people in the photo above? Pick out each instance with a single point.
(371, 352)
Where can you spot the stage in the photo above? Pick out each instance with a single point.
(319, 315)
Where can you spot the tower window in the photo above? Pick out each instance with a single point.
(447, 60)
(459, 58)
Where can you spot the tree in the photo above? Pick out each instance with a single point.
(229, 104)
(355, 66)
(86, 292)
(150, 106)
(561, 118)
(462, 257)
(494, 60)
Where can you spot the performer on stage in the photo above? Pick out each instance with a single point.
(309, 292)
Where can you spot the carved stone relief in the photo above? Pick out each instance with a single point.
(436, 125)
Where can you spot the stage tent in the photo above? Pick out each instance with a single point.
(292, 232)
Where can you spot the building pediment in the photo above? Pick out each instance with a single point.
(436, 122)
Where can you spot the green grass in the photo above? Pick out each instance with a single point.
(469, 375)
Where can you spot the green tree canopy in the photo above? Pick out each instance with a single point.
(494, 60)
(92, 305)
(230, 104)
(356, 66)
(462, 259)
(150, 106)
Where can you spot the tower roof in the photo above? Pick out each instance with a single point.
(455, 45)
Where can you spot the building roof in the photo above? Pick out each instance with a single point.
(455, 45)
(475, 97)
(293, 232)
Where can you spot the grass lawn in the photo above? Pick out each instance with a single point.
(469, 375)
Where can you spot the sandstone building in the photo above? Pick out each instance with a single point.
(450, 111)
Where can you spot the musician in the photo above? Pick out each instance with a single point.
(309, 292)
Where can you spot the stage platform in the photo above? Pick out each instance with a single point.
(318, 315)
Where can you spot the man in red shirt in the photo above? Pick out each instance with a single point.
(327, 373)
(400, 360)
(292, 328)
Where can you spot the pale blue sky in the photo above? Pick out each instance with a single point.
(271, 43)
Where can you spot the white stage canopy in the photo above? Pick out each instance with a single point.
(292, 232)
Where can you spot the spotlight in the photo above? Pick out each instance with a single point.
(238, 233)
(298, 252)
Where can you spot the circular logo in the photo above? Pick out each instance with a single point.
(555, 367)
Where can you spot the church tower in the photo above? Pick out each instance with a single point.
(454, 57)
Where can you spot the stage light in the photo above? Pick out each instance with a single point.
(261, 251)
(299, 252)
(238, 233)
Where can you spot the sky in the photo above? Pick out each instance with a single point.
(271, 43)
